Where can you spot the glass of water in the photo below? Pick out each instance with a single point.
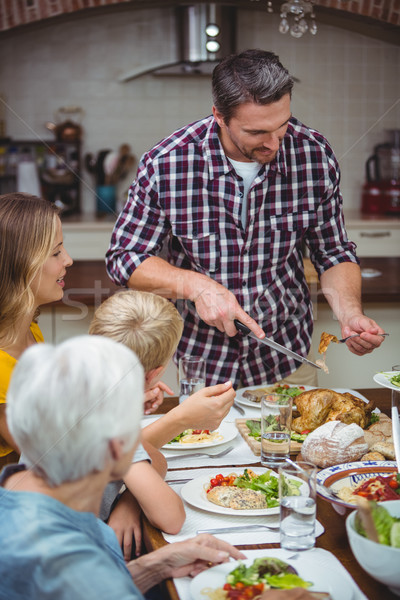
(276, 420)
(298, 505)
(192, 376)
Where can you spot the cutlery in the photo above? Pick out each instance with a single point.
(268, 342)
(343, 340)
(235, 529)
(195, 454)
(173, 481)
(240, 410)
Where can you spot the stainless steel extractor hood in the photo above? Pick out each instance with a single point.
(205, 34)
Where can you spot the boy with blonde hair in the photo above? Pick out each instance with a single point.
(151, 326)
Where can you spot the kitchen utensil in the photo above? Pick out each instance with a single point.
(268, 342)
(381, 192)
(240, 410)
(236, 529)
(343, 340)
(196, 454)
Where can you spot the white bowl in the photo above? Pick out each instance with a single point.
(378, 560)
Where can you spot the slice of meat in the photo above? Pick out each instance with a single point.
(326, 339)
(237, 498)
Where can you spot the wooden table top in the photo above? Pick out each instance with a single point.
(333, 539)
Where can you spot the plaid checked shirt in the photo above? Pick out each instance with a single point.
(188, 194)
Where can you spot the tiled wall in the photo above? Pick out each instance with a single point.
(349, 84)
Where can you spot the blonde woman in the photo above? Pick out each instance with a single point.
(33, 263)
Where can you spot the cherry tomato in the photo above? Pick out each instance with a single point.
(393, 484)
(305, 431)
(214, 482)
(219, 477)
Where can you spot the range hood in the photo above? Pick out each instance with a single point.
(205, 34)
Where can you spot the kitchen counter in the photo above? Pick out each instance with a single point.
(87, 282)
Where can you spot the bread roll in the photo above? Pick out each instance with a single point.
(334, 443)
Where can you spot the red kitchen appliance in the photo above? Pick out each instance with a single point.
(381, 192)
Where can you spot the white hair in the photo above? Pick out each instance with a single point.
(65, 403)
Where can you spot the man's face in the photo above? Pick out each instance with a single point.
(255, 132)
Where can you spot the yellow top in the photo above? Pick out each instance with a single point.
(7, 364)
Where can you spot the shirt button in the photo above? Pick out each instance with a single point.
(244, 283)
(240, 194)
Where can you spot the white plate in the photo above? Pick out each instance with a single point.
(227, 430)
(383, 379)
(240, 400)
(194, 494)
(324, 579)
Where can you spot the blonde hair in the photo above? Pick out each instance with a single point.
(148, 324)
(28, 227)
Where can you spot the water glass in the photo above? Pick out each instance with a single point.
(192, 376)
(298, 505)
(276, 421)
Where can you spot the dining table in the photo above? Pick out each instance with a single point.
(333, 539)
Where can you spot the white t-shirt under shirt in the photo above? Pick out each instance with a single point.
(248, 172)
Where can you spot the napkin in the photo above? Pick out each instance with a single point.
(323, 559)
(200, 519)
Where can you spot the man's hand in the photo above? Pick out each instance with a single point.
(218, 307)
(125, 519)
(154, 397)
(369, 335)
(206, 408)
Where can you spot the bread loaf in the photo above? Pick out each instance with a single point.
(334, 443)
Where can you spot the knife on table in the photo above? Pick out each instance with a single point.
(268, 342)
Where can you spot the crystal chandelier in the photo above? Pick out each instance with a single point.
(297, 17)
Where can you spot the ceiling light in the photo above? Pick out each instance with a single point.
(212, 30)
(297, 17)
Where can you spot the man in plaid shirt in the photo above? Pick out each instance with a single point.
(236, 196)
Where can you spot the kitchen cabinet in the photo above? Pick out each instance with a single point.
(57, 165)
(375, 235)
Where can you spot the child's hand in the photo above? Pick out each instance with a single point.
(154, 397)
(206, 408)
(125, 519)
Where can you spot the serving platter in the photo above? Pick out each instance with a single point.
(240, 400)
(384, 377)
(325, 577)
(350, 475)
(227, 430)
(194, 494)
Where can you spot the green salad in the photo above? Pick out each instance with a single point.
(395, 380)
(387, 526)
(273, 572)
(254, 427)
(268, 484)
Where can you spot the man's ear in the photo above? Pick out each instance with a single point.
(116, 449)
(152, 377)
(218, 117)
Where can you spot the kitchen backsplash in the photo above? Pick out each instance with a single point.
(349, 86)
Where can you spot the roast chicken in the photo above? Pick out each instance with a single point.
(318, 406)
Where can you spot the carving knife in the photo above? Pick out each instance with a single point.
(268, 342)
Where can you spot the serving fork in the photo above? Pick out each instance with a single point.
(343, 340)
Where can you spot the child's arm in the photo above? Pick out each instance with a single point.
(126, 520)
(203, 410)
(161, 505)
(158, 460)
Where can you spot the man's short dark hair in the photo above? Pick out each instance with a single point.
(251, 76)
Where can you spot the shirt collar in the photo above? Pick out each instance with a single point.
(219, 165)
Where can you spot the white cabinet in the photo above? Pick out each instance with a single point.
(378, 236)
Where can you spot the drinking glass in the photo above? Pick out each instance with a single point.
(297, 497)
(192, 376)
(276, 421)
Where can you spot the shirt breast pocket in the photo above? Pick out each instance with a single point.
(199, 241)
(287, 233)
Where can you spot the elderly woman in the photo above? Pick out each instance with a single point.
(75, 410)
